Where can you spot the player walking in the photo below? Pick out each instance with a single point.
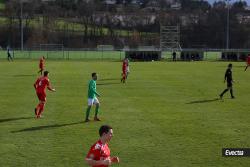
(92, 99)
(99, 153)
(229, 79)
(9, 54)
(40, 85)
(124, 71)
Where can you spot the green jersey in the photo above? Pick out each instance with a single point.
(92, 89)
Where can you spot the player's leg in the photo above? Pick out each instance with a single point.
(42, 100)
(42, 104)
(90, 103)
(37, 109)
(123, 76)
(246, 67)
(8, 57)
(221, 95)
(231, 92)
(127, 72)
(97, 104)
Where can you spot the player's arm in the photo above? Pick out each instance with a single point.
(92, 88)
(97, 94)
(35, 84)
(50, 88)
(225, 77)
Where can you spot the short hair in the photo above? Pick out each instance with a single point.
(45, 73)
(104, 129)
(230, 65)
(93, 74)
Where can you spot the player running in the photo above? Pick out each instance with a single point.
(92, 99)
(40, 85)
(124, 71)
(41, 65)
(247, 61)
(9, 54)
(229, 79)
(99, 153)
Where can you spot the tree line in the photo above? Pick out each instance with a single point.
(88, 23)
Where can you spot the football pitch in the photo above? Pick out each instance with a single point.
(166, 115)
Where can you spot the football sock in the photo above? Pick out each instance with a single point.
(96, 110)
(87, 112)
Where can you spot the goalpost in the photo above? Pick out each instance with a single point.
(53, 51)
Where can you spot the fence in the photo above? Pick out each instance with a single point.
(97, 54)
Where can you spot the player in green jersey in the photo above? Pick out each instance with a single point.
(92, 99)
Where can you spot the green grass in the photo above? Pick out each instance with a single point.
(166, 115)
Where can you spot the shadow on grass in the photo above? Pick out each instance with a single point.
(14, 119)
(23, 75)
(46, 127)
(203, 101)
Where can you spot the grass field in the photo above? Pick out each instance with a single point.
(166, 115)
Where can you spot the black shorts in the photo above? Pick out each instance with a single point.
(229, 84)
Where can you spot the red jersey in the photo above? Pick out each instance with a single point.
(99, 151)
(248, 60)
(41, 84)
(124, 66)
(41, 64)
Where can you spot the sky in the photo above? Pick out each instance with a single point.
(212, 1)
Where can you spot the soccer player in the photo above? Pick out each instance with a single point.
(41, 65)
(174, 56)
(99, 153)
(92, 99)
(40, 85)
(9, 54)
(248, 62)
(228, 77)
(124, 71)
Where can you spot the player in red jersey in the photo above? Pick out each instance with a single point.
(41, 65)
(248, 62)
(99, 153)
(124, 71)
(40, 85)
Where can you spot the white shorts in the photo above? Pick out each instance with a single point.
(127, 70)
(92, 101)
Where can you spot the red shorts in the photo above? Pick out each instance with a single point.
(41, 96)
(41, 66)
